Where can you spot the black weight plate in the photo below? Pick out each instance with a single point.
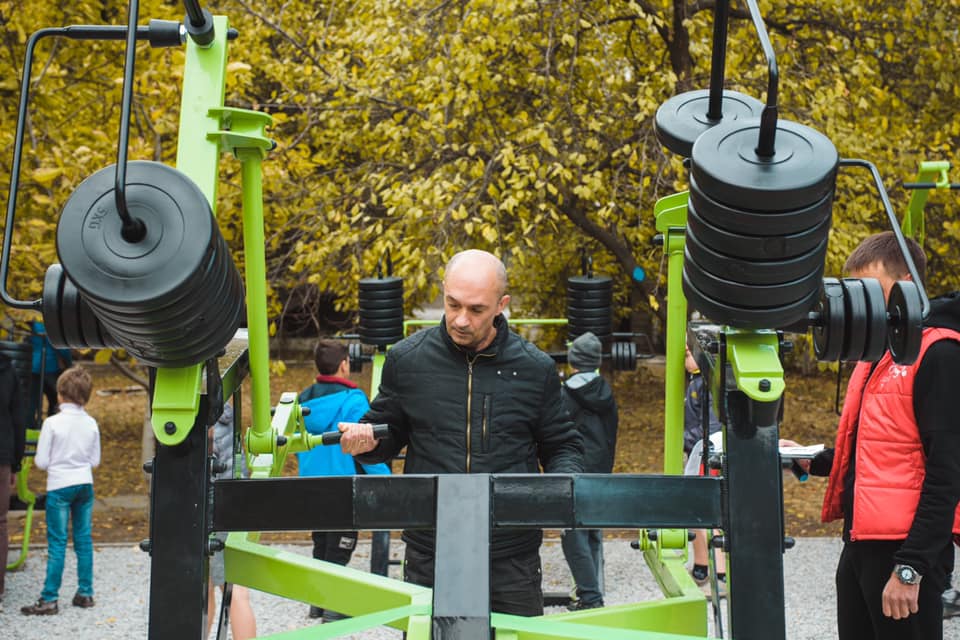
(757, 247)
(376, 296)
(387, 323)
(581, 283)
(381, 313)
(681, 119)
(389, 303)
(757, 272)
(52, 286)
(906, 322)
(875, 344)
(828, 330)
(68, 315)
(855, 320)
(379, 332)
(104, 266)
(727, 169)
(589, 298)
(741, 318)
(572, 334)
(391, 283)
(751, 295)
(759, 223)
(623, 356)
(587, 314)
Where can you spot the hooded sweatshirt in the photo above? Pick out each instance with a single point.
(589, 400)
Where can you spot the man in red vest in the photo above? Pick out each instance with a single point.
(895, 471)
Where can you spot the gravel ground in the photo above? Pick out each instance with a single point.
(121, 575)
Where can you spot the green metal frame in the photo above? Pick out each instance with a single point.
(207, 130)
(913, 224)
(26, 496)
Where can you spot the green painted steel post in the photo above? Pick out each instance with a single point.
(671, 221)
(913, 225)
(379, 357)
(256, 280)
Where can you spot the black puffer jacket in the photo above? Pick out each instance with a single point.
(589, 400)
(12, 416)
(494, 411)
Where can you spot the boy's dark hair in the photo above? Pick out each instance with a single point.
(328, 354)
(883, 248)
(74, 385)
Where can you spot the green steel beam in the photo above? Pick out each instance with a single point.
(323, 584)
(243, 132)
(913, 224)
(755, 358)
(176, 397)
(26, 496)
(379, 358)
(623, 622)
(671, 221)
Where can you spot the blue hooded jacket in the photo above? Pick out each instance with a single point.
(332, 400)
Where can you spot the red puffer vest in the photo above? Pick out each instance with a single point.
(890, 459)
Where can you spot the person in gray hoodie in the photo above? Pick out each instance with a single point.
(588, 398)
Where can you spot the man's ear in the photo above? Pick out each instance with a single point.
(504, 301)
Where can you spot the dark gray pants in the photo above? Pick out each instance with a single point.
(515, 581)
(583, 549)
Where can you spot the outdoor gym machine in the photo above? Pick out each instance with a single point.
(180, 317)
(746, 246)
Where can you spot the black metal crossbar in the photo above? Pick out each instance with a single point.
(559, 501)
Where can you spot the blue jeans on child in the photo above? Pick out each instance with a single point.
(74, 503)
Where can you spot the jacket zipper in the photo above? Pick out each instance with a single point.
(469, 398)
(486, 419)
(470, 401)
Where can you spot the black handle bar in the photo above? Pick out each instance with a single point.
(380, 431)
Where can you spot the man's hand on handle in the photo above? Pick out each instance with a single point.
(356, 437)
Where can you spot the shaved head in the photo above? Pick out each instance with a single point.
(479, 262)
(474, 294)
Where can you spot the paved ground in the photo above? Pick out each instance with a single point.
(122, 579)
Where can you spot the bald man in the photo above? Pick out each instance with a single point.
(470, 396)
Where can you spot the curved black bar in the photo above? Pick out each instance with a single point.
(930, 185)
(199, 23)
(74, 32)
(894, 224)
(721, 12)
(768, 119)
(133, 229)
(194, 12)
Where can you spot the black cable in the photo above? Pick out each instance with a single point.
(133, 229)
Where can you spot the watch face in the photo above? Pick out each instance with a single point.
(907, 575)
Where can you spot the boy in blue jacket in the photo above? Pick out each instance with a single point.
(333, 399)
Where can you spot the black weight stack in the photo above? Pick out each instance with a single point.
(381, 310)
(589, 304)
(757, 227)
(172, 298)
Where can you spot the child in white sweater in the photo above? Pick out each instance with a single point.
(68, 449)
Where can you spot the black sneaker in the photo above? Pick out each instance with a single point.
(951, 603)
(580, 605)
(41, 608)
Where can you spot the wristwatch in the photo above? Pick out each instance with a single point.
(906, 574)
